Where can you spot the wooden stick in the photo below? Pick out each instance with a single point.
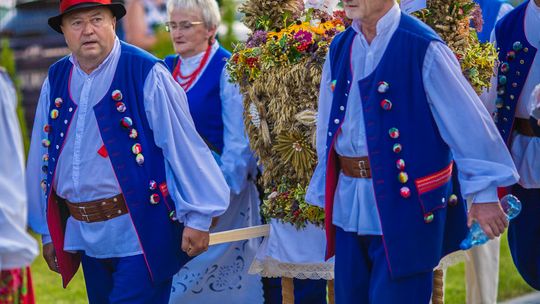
(287, 290)
(438, 287)
(331, 294)
(239, 234)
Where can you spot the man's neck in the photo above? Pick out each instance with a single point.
(368, 26)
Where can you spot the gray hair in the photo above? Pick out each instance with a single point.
(209, 10)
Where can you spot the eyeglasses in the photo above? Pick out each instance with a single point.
(181, 26)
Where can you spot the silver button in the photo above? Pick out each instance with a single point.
(70, 109)
(65, 121)
(336, 121)
(342, 108)
(62, 134)
(329, 133)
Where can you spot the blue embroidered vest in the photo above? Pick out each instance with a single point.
(137, 162)
(205, 101)
(516, 55)
(411, 165)
(490, 11)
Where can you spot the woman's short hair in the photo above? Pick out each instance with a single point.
(209, 10)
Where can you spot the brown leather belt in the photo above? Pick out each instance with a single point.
(523, 127)
(355, 166)
(98, 210)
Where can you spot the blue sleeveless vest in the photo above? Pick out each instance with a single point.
(412, 197)
(490, 11)
(205, 101)
(137, 162)
(516, 55)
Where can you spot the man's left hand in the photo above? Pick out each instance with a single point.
(194, 241)
(490, 216)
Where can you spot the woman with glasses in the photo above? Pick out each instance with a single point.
(219, 275)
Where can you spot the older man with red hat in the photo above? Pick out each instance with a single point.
(118, 177)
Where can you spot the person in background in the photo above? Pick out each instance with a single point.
(17, 248)
(217, 110)
(108, 184)
(517, 38)
(142, 20)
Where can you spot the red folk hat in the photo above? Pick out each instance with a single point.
(67, 6)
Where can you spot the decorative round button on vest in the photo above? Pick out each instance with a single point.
(54, 114)
(117, 95)
(403, 177)
(517, 46)
(45, 157)
(396, 148)
(499, 102)
(47, 128)
(405, 192)
(154, 199)
(501, 91)
(43, 185)
(511, 55)
(139, 159)
(126, 122)
(383, 87)
(394, 133)
(152, 185)
(133, 134)
(502, 80)
(45, 143)
(428, 217)
(336, 121)
(400, 164)
(58, 102)
(120, 107)
(44, 168)
(505, 67)
(136, 148)
(386, 104)
(453, 200)
(172, 215)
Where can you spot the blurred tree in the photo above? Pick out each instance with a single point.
(7, 60)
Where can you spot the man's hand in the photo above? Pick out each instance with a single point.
(491, 218)
(194, 241)
(50, 257)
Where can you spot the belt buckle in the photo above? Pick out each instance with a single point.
(85, 217)
(363, 168)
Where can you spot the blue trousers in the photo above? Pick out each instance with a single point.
(122, 280)
(362, 274)
(305, 291)
(524, 235)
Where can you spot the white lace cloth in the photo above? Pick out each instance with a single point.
(288, 252)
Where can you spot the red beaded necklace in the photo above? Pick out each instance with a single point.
(186, 81)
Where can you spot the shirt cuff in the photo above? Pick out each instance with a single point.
(198, 221)
(46, 239)
(488, 195)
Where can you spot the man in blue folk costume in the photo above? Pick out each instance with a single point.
(517, 37)
(395, 117)
(128, 186)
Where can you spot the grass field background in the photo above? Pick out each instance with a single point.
(48, 285)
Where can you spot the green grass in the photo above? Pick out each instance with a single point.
(48, 286)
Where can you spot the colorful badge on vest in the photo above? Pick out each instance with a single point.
(58, 102)
(117, 95)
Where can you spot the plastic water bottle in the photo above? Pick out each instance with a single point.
(510, 205)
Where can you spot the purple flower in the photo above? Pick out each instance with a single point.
(257, 39)
(303, 37)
